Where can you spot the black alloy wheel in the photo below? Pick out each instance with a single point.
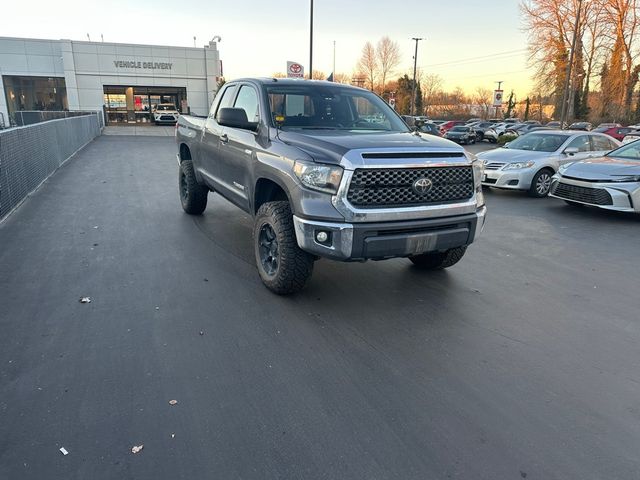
(268, 242)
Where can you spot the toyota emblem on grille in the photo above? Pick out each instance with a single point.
(422, 186)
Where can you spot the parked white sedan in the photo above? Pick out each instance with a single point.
(529, 162)
(611, 182)
(631, 136)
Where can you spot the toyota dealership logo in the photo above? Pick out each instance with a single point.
(422, 186)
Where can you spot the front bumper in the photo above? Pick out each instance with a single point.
(509, 179)
(159, 119)
(378, 241)
(625, 196)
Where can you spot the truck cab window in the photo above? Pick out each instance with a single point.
(226, 100)
(248, 101)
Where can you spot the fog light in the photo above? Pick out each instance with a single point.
(322, 237)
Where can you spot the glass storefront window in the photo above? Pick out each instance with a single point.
(136, 104)
(35, 93)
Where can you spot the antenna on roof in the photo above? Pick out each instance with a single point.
(102, 37)
(88, 37)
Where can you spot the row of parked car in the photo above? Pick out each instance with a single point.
(581, 168)
(477, 130)
(581, 165)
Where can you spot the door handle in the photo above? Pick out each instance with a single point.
(224, 138)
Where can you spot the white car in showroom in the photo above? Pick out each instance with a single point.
(528, 162)
(165, 113)
(611, 182)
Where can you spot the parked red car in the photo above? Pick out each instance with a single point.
(446, 126)
(616, 132)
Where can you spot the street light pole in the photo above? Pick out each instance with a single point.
(413, 87)
(334, 61)
(311, 43)
(569, 67)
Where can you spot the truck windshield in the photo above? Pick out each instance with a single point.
(166, 107)
(317, 107)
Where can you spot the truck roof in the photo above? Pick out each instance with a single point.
(293, 81)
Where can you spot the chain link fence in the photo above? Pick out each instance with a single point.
(29, 117)
(29, 155)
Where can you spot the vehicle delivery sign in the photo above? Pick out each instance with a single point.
(295, 70)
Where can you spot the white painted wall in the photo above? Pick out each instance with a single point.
(88, 66)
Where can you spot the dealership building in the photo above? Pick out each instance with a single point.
(124, 81)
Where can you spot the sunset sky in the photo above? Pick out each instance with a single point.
(469, 43)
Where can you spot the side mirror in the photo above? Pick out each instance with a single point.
(235, 118)
(571, 151)
(506, 144)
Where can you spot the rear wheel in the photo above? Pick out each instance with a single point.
(193, 196)
(438, 260)
(283, 267)
(541, 183)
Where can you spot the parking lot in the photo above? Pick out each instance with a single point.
(522, 361)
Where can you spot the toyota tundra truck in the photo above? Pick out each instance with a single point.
(329, 171)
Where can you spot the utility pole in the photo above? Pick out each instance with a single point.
(569, 66)
(334, 61)
(413, 87)
(311, 43)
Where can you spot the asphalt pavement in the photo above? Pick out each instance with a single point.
(522, 361)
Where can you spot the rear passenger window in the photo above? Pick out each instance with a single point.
(581, 143)
(226, 100)
(601, 144)
(248, 101)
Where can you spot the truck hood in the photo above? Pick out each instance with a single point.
(331, 145)
(602, 169)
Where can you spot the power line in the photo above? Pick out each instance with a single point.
(497, 73)
(475, 59)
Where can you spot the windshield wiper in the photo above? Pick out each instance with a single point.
(318, 128)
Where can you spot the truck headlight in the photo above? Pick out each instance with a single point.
(518, 165)
(478, 172)
(324, 178)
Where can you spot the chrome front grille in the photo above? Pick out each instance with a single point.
(392, 187)
(594, 196)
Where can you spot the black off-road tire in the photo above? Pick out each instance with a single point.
(293, 266)
(438, 260)
(534, 190)
(193, 196)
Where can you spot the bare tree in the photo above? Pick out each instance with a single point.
(388, 56)
(483, 98)
(549, 24)
(368, 65)
(622, 17)
(317, 75)
(342, 78)
(431, 87)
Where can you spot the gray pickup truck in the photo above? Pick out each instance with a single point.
(329, 170)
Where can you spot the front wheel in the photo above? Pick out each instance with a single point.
(283, 267)
(438, 260)
(541, 183)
